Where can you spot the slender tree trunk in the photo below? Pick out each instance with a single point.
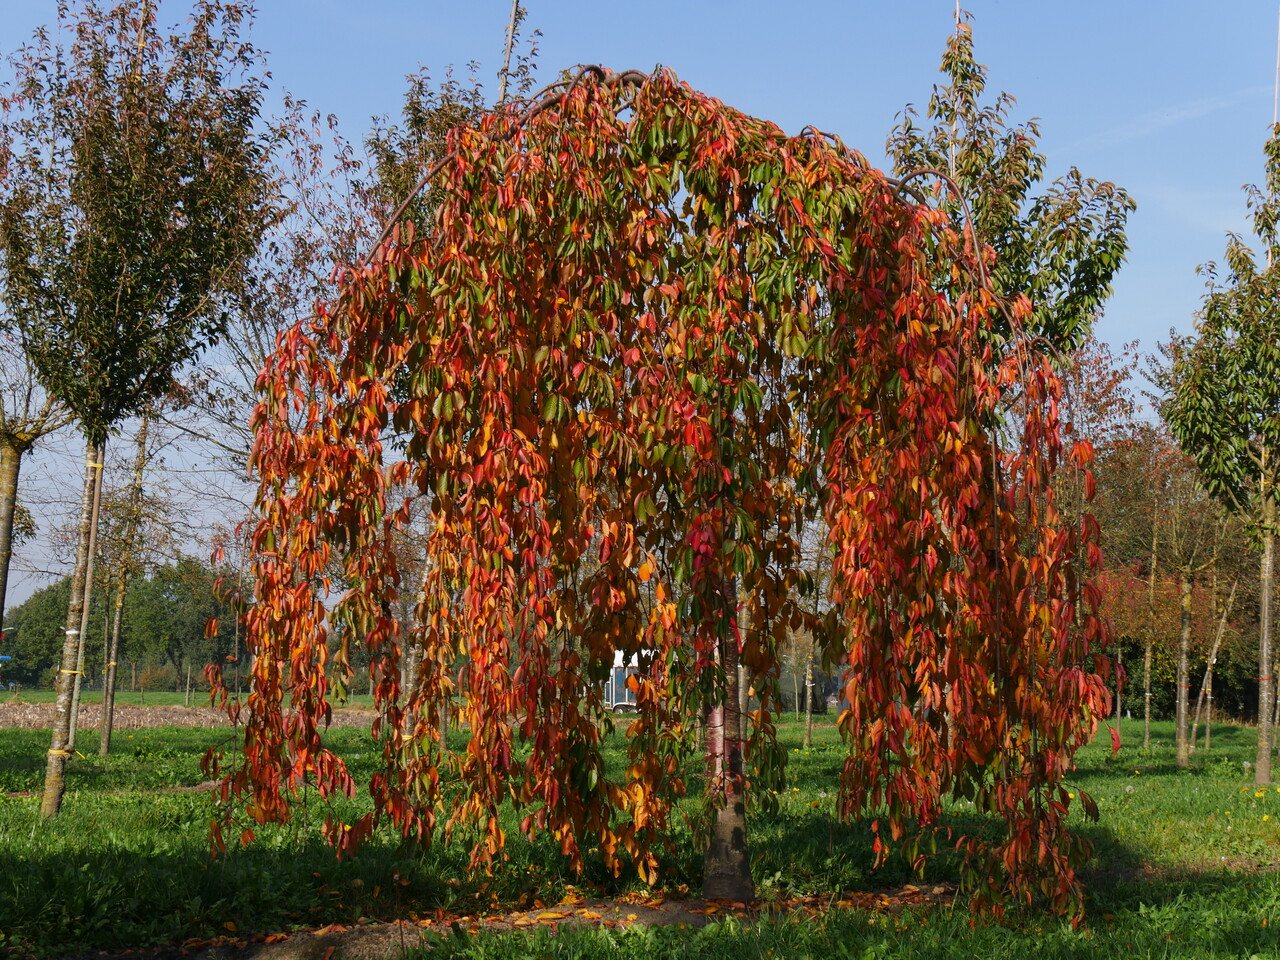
(1119, 681)
(88, 592)
(76, 684)
(1266, 685)
(1149, 645)
(10, 465)
(1184, 670)
(795, 689)
(808, 702)
(1206, 687)
(506, 56)
(726, 871)
(107, 723)
(54, 778)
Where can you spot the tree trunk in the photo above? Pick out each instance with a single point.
(10, 465)
(1149, 645)
(1147, 652)
(76, 684)
(726, 871)
(107, 723)
(88, 592)
(1266, 686)
(54, 778)
(1206, 687)
(1119, 682)
(808, 702)
(1183, 758)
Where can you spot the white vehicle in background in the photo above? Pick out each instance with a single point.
(618, 695)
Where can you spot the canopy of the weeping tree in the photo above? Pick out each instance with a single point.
(645, 336)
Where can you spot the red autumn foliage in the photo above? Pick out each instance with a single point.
(644, 330)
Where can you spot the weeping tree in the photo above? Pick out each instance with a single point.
(632, 305)
(134, 195)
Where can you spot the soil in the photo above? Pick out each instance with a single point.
(129, 717)
(387, 941)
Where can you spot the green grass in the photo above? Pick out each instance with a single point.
(1184, 865)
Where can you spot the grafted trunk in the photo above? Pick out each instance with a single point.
(54, 779)
(726, 870)
(1183, 755)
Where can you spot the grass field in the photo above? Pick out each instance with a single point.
(1185, 866)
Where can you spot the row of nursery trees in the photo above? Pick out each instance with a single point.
(516, 439)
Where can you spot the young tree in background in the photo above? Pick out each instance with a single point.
(27, 413)
(134, 196)
(1223, 405)
(1060, 247)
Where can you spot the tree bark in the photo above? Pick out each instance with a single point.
(1149, 645)
(54, 778)
(1183, 755)
(107, 722)
(88, 593)
(1205, 697)
(726, 871)
(1119, 683)
(127, 556)
(10, 466)
(1266, 685)
(808, 702)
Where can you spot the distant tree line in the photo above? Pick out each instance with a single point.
(163, 639)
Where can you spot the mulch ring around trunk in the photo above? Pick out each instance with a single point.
(384, 941)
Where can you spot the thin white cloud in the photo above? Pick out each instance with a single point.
(1154, 121)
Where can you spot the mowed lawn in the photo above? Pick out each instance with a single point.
(1186, 865)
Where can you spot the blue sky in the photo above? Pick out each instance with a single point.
(1171, 101)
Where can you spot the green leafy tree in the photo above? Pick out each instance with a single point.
(1223, 404)
(134, 194)
(27, 414)
(35, 634)
(1061, 246)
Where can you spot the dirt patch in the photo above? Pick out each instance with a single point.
(387, 941)
(35, 716)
